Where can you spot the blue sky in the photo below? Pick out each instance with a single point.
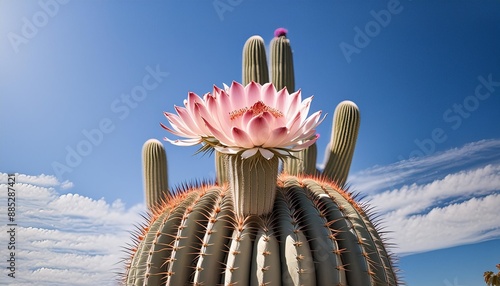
(426, 79)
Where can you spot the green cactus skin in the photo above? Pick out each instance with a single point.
(346, 122)
(220, 167)
(303, 163)
(253, 183)
(282, 64)
(254, 61)
(155, 177)
(316, 234)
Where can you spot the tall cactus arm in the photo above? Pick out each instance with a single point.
(283, 75)
(155, 177)
(282, 62)
(254, 61)
(343, 141)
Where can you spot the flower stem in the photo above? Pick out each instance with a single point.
(253, 183)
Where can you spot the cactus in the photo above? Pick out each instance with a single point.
(154, 161)
(341, 147)
(306, 230)
(316, 234)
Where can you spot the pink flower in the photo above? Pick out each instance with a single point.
(246, 119)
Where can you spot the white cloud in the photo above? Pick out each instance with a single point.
(425, 169)
(62, 237)
(439, 201)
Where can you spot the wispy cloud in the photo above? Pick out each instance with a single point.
(443, 200)
(425, 169)
(66, 236)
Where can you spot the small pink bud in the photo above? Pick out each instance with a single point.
(280, 32)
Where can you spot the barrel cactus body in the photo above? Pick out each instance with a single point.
(316, 234)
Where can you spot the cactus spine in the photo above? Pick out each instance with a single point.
(154, 160)
(343, 141)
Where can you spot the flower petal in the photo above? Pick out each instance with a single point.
(305, 144)
(187, 142)
(227, 150)
(259, 130)
(266, 153)
(281, 99)
(241, 138)
(237, 96)
(294, 104)
(268, 94)
(276, 137)
(249, 153)
(220, 135)
(252, 93)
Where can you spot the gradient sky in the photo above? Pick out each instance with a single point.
(426, 79)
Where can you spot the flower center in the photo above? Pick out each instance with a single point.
(258, 108)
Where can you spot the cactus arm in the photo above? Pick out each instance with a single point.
(282, 64)
(155, 178)
(283, 75)
(254, 61)
(253, 183)
(343, 141)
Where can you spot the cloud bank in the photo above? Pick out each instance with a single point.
(439, 201)
(66, 239)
